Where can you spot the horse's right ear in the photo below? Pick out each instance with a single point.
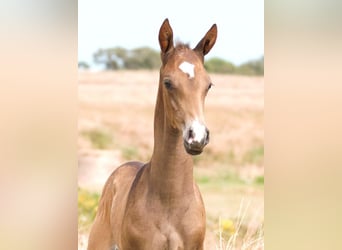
(165, 37)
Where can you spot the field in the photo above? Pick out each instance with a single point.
(115, 125)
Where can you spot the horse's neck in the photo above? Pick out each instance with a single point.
(171, 173)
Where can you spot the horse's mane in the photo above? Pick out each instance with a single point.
(182, 46)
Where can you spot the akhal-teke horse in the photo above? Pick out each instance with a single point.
(157, 205)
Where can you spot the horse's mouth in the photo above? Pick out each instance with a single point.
(192, 151)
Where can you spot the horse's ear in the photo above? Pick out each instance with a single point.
(207, 42)
(165, 36)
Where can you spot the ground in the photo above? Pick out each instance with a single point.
(115, 125)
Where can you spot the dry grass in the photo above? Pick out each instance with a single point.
(123, 104)
(253, 237)
(116, 124)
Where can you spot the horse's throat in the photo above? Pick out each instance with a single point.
(171, 166)
(168, 141)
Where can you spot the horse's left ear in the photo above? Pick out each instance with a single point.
(207, 42)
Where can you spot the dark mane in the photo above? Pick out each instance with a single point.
(181, 46)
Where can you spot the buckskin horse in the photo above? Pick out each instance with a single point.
(158, 205)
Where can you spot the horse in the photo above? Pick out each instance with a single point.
(157, 205)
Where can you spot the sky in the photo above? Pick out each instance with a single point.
(133, 23)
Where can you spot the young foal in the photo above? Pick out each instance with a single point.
(157, 205)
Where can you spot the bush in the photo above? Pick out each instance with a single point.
(254, 67)
(98, 138)
(87, 207)
(83, 65)
(120, 58)
(218, 65)
(148, 58)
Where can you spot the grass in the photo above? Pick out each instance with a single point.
(231, 227)
(99, 138)
(103, 139)
(234, 227)
(130, 153)
(218, 177)
(234, 234)
(232, 231)
(226, 172)
(259, 180)
(212, 156)
(254, 155)
(87, 207)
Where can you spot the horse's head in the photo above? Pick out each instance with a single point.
(185, 84)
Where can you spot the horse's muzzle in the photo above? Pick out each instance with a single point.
(196, 137)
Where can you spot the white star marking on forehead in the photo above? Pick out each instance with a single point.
(188, 68)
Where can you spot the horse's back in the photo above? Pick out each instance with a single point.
(105, 230)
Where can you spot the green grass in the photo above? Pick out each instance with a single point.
(103, 139)
(222, 193)
(217, 179)
(210, 157)
(259, 180)
(254, 155)
(87, 207)
(130, 153)
(99, 138)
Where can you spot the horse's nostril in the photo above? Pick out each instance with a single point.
(191, 134)
(207, 136)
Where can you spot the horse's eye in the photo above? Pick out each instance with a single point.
(210, 85)
(168, 84)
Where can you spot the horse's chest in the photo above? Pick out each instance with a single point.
(150, 224)
(168, 238)
(182, 237)
(167, 231)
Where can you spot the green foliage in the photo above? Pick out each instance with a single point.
(107, 57)
(142, 58)
(100, 139)
(83, 65)
(87, 207)
(218, 65)
(130, 153)
(120, 58)
(203, 179)
(218, 179)
(259, 180)
(254, 67)
(220, 157)
(147, 58)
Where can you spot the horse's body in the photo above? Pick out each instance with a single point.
(158, 205)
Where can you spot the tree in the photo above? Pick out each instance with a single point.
(218, 65)
(142, 58)
(83, 65)
(120, 58)
(109, 57)
(147, 58)
(253, 67)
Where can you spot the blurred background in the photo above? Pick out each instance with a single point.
(118, 62)
(39, 96)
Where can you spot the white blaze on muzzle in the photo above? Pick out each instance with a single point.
(197, 130)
